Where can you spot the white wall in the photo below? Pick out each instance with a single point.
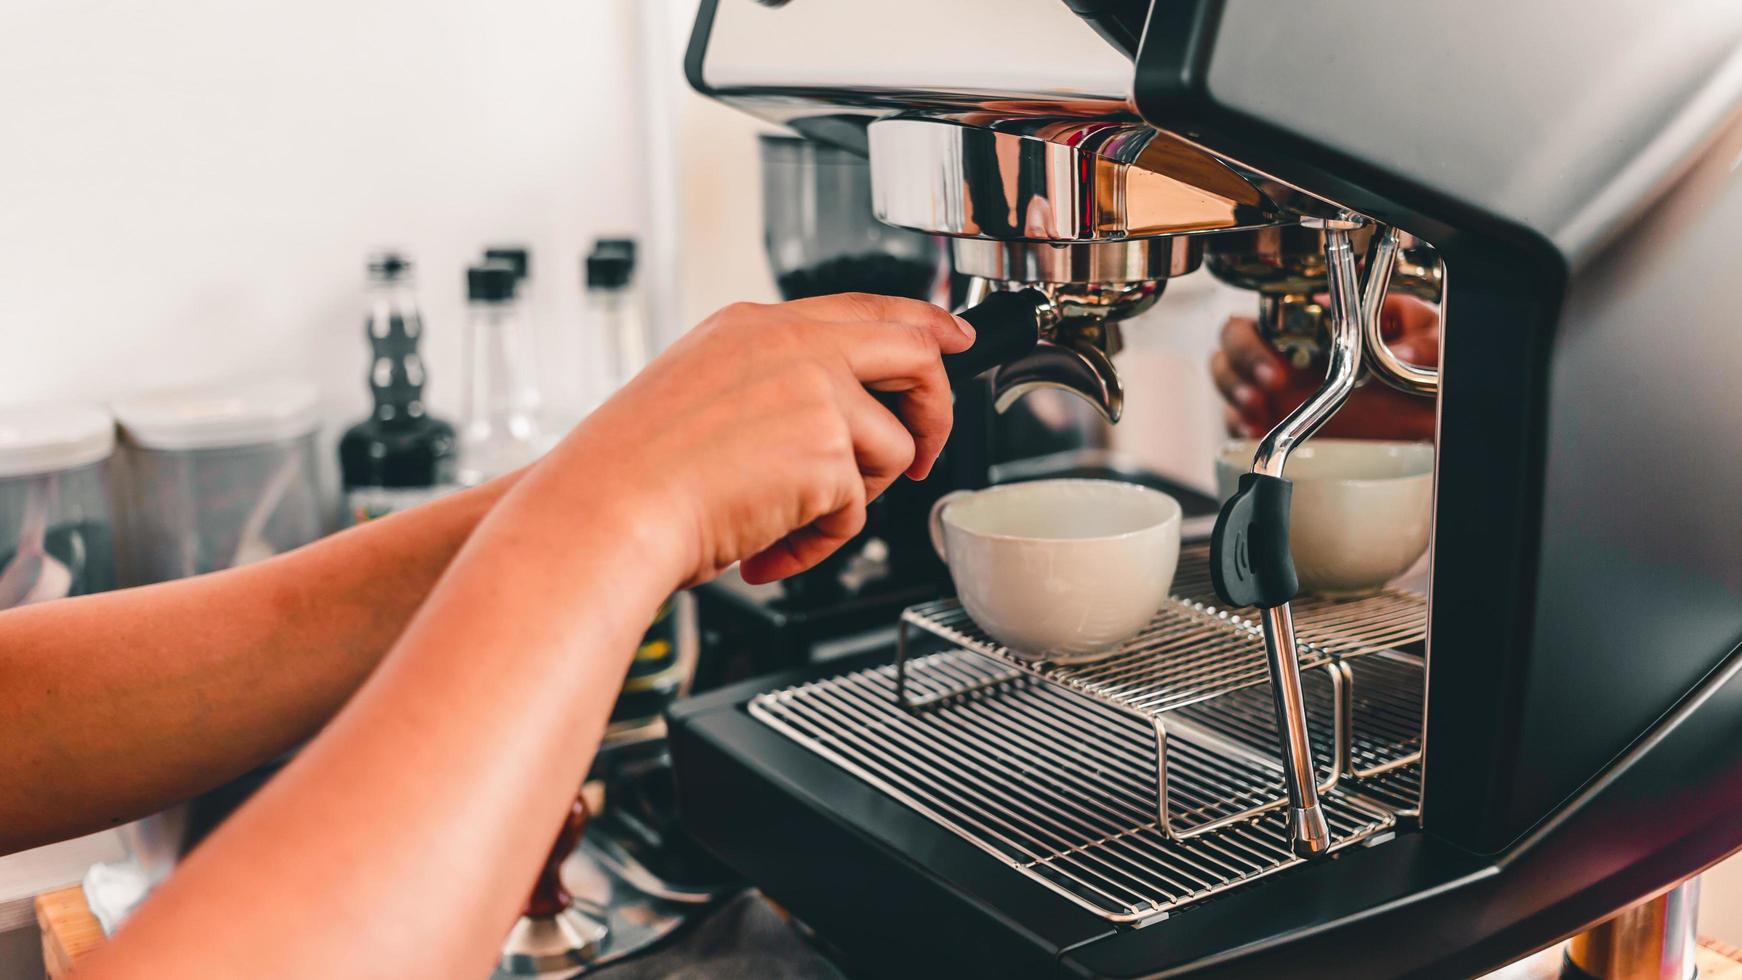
(188, 188)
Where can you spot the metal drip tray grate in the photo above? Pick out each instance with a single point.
(1205, 670)
(1193, 651)
(1393, 619)
(1061, 788)
(1188, 653)
(1387, 692)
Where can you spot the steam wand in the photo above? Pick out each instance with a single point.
(1250, 562)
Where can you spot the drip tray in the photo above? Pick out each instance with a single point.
(1059, 787)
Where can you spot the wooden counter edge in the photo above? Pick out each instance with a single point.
(69, 930)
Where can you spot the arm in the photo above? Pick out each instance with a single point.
(1259, 388)
(404, 838)
(122, 703)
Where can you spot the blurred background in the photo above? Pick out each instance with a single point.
(193, 188)
(190, 190)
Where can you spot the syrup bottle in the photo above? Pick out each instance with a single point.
(399, 456)
(499, 432)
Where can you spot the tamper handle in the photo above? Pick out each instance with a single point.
(548, 894)
(1006, 327)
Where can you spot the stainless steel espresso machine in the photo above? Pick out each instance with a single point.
(1266, 783)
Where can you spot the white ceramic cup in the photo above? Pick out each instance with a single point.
(1359, 513)
(1060, 570)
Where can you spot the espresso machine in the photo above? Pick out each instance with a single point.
(1410, 784)
(822, 235)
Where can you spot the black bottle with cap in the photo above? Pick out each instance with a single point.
(400, 455)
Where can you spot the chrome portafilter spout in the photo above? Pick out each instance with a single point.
(1079, 292)
(1250, 563)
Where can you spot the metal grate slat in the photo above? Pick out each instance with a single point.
(1059, 788)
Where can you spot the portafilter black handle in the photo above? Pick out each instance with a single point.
(1006, 327)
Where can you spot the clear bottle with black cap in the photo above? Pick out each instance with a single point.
(498, 433)
(519, 258)
(401, 455)
(612, 312)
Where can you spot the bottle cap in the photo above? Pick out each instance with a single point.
(517, 257)
(52, 438)
(625, 246)
(389, 264)
(491, 282)
(611, 264)
(218, 418)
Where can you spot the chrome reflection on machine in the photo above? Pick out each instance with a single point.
(1052, 180)
(1089, 288)
(1095, 214)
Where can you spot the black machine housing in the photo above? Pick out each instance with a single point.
(1584, 716)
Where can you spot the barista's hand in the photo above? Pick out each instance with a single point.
(755, 438)
(1260, 388)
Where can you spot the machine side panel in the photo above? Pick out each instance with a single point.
(1561, 120)
(1640, 575)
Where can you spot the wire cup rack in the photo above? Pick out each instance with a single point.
(1145, 780)
(1364, 718)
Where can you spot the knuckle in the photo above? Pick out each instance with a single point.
(813, 384)
(942, 321)
(922, 338)
(868, 305)
(855, 519)
(819, 498)
(836, 438)
(905, 455)
(793, 338)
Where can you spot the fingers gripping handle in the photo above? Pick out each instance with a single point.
(1006, 327)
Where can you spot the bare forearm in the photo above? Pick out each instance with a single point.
(438, 788)
(184, 685)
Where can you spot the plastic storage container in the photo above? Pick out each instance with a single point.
(56, 524)
(218, 478)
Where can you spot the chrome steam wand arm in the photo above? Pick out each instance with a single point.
(1385, 365)
(1250, 562)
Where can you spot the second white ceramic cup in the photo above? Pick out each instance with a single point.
(1060, 570)
(1360, 513)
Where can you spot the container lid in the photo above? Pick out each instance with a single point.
(491, 282)
(517, 257)
(216, 418)
(390, 265)
(625, 246)
(609, 270)
(50, 438)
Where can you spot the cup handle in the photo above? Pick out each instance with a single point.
(935, 522)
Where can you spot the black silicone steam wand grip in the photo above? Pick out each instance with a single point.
(1006, 327)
